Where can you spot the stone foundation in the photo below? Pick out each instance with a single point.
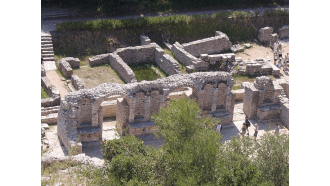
(77, 82)
(284, 32)
(74, 62)
(65, 68)
(53, 93)
(123, 70)
(101, 59)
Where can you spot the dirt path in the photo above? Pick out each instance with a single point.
(58, 82)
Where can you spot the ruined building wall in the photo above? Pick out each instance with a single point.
(123, 70)
(138, 101)
(77, 82)
(101, 59)
(137, 54)
(182, 55)
(209, 45)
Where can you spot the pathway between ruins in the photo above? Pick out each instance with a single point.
(58, 82)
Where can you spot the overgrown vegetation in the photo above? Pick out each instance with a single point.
(44, 93)
(118, 7)
(143, 71)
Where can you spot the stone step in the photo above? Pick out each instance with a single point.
(47, 52)
(91, 144)
(48, 59)
(46, 48)
(50, 118)
(47, 55)
(49, 65)
(46, 38)
(46, 45)
(46, 42)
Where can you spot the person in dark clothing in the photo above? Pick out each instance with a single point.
(247, 124)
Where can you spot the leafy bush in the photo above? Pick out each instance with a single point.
(127, 146)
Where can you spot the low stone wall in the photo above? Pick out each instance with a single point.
(49, 102)
(209, 45)
(77, 82)
(264, 34)
(169, 65)
(124, 71)
(49, 110)
(101, 59)
(53, 93)
(284, 104)
(65, 68)
(137, 54)
(74, 62)
(182, 55)
(276, 71)
(284, 32)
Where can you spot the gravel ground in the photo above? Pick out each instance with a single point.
(50, 24)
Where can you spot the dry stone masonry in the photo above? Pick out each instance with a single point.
(77, 82)
(265, 100)
(80, 116)
(51, 90)
(265, 33)
(101, 59)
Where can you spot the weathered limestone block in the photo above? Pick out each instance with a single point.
(253, 68)
(284, 103)
(124, 71)
(264, 34)
(245, 84)
(145, 40)
(74, 62)
(250, 101)
(276, 71)
(285, 85)
(49, 88)
(284, 32)
(50, 118)
(65, 69)
(50, 102)
(237, 48)
(101, 59)
(77, 82)
(266, 69)
(273, 39)
(239, 94)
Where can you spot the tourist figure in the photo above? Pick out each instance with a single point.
(277, 129)
(219, 128)
(243, 130)
(247, 124)
(256, 128)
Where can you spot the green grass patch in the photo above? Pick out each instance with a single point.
(236, 87)
(238, 79)
(44, 93)
(143, 71)
(182, 67)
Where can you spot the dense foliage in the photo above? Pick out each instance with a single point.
(193, 154)
(115, 7)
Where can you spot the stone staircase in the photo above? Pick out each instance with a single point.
(47, 53)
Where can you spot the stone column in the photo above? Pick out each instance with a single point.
(131, 110)
(147, 108)
(214, 99)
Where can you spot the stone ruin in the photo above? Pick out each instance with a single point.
(266, 100)
(80, 115)
(122, 57)
(190, 54)
(264, 34)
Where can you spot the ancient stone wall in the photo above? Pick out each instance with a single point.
(285, 85)
(209, 45)
(101, 59)
(169, 65)
(123, 70)
(265, 99)
(182, 55)
(43, 71)
(139, 100)
(77, 82)
(264, 34)
(239, 94)
(137, 54)
(65, 68)
(74, 62)
(54, 94)
(284, 32)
